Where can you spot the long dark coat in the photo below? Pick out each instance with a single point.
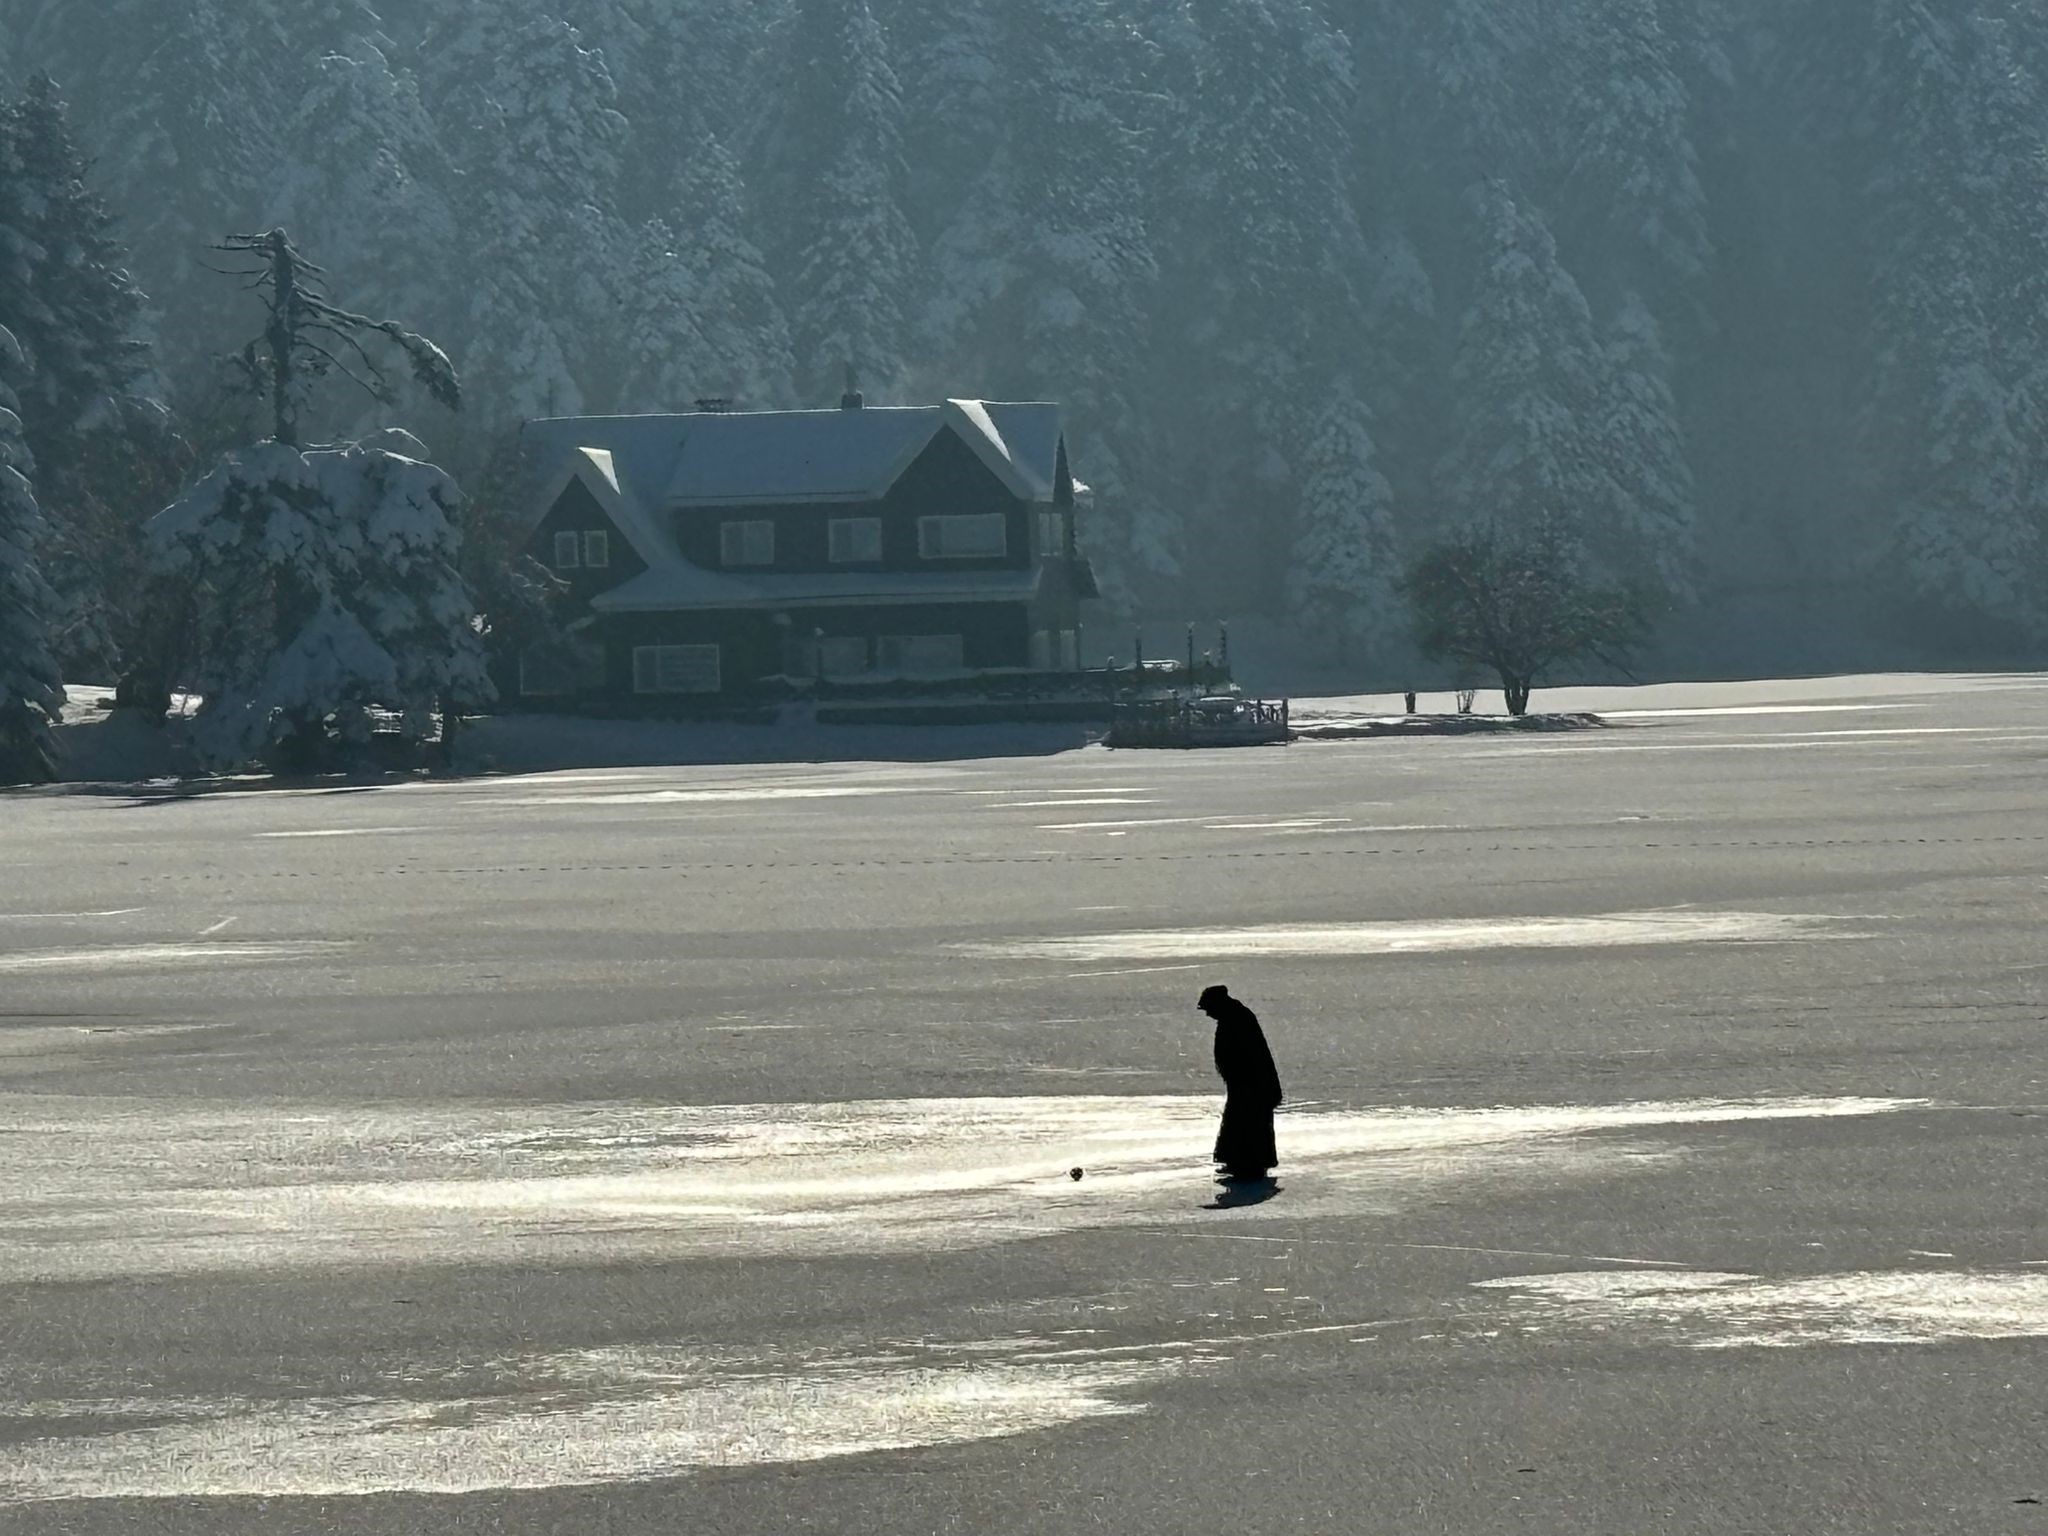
(1244, 1145)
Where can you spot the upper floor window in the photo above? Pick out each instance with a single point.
(855, 539)
(1051, 535)
(981, 536)
(568, 551)
(749, 543)
(597, 549)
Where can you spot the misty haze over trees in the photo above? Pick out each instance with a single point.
(1748, 294)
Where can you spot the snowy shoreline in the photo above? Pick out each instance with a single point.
(103, 746)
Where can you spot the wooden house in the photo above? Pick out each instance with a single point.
(709, 553)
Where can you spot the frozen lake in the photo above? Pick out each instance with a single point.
(650, 1149)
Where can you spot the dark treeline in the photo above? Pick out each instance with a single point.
(1747, 291)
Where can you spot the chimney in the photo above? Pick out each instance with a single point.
(853, 399)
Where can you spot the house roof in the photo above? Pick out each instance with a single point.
(639, 467)
(596, 469)
(680, 584)
(765, 457)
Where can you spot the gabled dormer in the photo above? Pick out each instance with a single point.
(589, 534)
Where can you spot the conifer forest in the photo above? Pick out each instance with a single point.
(1748, 293)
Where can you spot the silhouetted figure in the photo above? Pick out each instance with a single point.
(1411, 702)
(1244, 1145)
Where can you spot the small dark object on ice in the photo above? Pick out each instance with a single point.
(1075, 1174)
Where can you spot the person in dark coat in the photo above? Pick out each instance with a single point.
(1244, 1145)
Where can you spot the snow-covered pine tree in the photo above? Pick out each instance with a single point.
(1643, 445)
(78, 316)
(528, 113)
(182, 139)
(1470, 62)
(1344, 577)
(1960, 315)
(81, 330)
(848, 257)
(364, 182)
(707, 320)
(325, 588)
(739, 318)
(665, 368)
(1524, 381)
(30, 693)
(323, 585)
(678, 65)
(957, 84)
(1262, 253)
(1632, 215)
(183, 103)
(1966, 537)
(1076, 267)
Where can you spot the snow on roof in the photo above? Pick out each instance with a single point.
(680, 584)
(761, 457)
(598, 472)
(783, 456)
(1031, 436)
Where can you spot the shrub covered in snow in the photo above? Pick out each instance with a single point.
(326, 591)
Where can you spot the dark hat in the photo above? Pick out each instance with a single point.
(1213, 995)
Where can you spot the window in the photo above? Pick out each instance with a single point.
(1070, 650)
(597, 549)
(983, 536)
(676, 669)
(1041, 650)
(1050, 541)
(568, 551)
(922, 653)
(855, 539)
(750, 543)
(845, 656)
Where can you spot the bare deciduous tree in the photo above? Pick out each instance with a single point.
(1520, 606)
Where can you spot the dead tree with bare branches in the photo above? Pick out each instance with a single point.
(306, 337)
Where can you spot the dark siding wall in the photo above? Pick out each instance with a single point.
(946, 480)
(949, 480)
(992, 635)
(749, 643)
(577, 512)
